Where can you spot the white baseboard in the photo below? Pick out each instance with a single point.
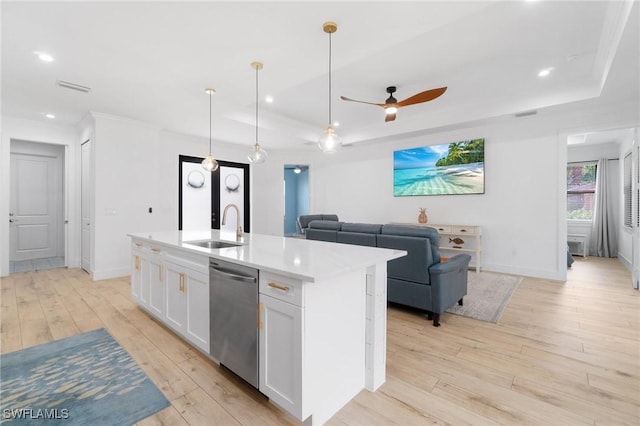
(626, 262)
(106, 274)
(526, 272)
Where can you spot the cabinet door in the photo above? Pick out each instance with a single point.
(281, 354)
(176, 298)
(197, 292)
(156, 287)
(143, 297)
(136, 274)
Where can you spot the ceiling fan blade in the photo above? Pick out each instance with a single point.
(344, 98)
(427, 95)
(390, 117)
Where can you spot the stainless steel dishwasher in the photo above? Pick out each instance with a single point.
(233, 297)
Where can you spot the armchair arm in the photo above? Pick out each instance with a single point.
(448, 282)
(453, 264)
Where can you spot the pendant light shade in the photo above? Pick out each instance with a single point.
(209, 163)
(330, 142)
(257, 154)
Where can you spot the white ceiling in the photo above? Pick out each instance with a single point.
(151, 61)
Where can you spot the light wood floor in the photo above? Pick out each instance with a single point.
(563, 354)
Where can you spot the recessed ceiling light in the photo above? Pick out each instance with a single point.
(545, 72)
(44, 57)
(51, 116)
(268, 99)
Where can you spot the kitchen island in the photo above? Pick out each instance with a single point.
(321, 315)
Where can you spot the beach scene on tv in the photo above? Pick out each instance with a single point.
(447, 169)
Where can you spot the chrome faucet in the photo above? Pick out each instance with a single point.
(224, 219)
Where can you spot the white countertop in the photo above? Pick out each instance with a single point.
(307, 260)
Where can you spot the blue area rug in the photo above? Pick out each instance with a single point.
(81, 380)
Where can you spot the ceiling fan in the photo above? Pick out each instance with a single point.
(391, 105)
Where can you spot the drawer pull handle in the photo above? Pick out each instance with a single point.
(138, 245)
(155, 250)
(463, 230)
(183, 278)
(279, 287)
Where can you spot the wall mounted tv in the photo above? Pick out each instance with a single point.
(448, 169)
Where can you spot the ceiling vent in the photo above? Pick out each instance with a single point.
(73, 86)
(526, 113)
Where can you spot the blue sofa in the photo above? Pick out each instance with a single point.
(418, 279)
(304, 220)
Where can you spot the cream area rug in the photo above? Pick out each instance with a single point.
(487, 296)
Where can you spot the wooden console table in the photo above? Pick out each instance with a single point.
(458, 238)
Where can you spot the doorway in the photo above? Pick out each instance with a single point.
(85, 206)
(296, 196)
(202, 196)
(36, 206)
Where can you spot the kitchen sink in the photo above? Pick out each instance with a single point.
(212, 244)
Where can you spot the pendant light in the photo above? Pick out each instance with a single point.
(257, 155)
(209, 163)
(330, 142)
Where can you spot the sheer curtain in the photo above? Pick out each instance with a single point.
(604, 232)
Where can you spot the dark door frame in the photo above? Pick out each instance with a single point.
(215, 191)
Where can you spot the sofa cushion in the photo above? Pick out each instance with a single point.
(322, 234)
(325, 224)
(415, 231)
(415, 265)
(358, 238)
(303, 221)
(367, 228)
(330, 217)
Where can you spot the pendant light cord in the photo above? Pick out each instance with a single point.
(210, 114)
(329, 79)
(256, 105)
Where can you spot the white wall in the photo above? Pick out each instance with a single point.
(136, 167)
(33, 131)
(523, 210)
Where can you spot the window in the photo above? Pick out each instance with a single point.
(581, 190)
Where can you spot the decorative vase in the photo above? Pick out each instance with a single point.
(422, 217)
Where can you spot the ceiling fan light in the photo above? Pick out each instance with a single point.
(390, 110)
(329, 142)
(258, 155)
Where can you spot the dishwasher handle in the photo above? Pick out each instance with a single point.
(234, 277)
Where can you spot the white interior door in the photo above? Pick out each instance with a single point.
(35, 213)
(85, 206)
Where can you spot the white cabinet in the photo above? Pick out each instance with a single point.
(155, 287)
(174, 288)
(312, 343)
(280, 341)
(187, 299)
(458, 238)
(147, 278)
(136, 273)
(461, 238)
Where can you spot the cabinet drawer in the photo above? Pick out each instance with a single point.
(470, 230)
(147, 247)
(281, 288)
(445, 229)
